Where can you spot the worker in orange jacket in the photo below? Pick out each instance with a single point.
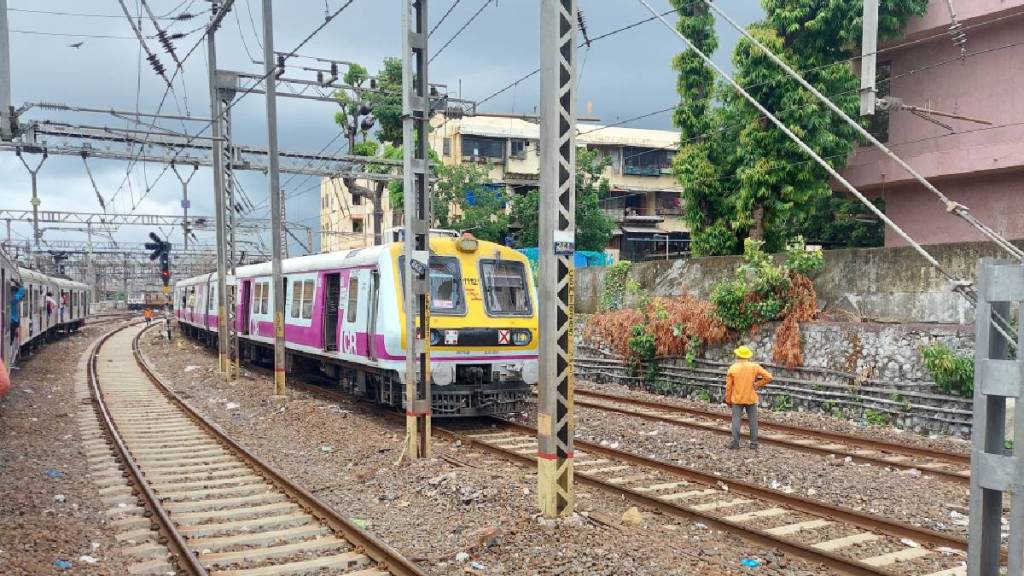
(741, 383)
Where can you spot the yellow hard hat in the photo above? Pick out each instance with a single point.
(743, 352)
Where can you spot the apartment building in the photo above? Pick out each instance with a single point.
(645, 198)
(644, 201)
(977, 159)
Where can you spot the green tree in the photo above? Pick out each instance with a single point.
(593, 227)
(740, 176)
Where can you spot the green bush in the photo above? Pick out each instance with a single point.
(953, 373)
(876, 417)
(703, 395)
(781, 403)
(757, 294)
(616, 284)
(802, 261)
(643, 347)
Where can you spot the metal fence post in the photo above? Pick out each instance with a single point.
(996, 466)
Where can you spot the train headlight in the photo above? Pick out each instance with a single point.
(467, 243)
(521, 337)
(443, 374)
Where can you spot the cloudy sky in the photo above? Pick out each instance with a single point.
(626, 75)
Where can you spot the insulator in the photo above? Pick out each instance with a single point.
(177, 36)
(365, 109)
(185, 16)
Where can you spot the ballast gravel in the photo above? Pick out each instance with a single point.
(464, 511)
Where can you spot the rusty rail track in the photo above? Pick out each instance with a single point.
(221, 510)
(942, 464)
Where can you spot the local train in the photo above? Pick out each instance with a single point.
(46, 306)
(344, 317)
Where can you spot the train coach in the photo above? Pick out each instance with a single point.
(344, 315)
(46, 306)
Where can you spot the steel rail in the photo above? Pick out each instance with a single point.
(874, 444)
(853, 441)
(385, 556)
(864, 520)
(183, 556)
(834, 561)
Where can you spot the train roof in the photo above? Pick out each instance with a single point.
(342, 259)
(36, 276)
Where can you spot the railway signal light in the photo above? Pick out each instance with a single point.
(161, 249)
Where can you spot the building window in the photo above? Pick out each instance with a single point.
(447, 147)
(517, 149)
(353, 298)
(878, 125)
(357, 226)
(357, 200)
(478, 148)
(646, 161)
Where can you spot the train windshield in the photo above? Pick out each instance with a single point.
(506, 291)
(446, 295)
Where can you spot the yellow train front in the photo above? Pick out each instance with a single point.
(483, 326)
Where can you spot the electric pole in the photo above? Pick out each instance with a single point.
(416, 172)
(6, 110)
(557, 228)
(184, 194)
(218, 189)
(274, 178)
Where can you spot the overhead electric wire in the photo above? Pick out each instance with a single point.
(87, 15)
(460, 30)
(249, 90)
(443, 18)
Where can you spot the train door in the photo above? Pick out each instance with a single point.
(5, 323)
(371, 330)
(246, 304)
(354, 320)
(332, 305)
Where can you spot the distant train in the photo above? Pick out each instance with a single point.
(154, 300)
(344, 315)
(47, 306)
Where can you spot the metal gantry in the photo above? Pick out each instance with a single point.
(220, 208)
(997, 468)
(557, 233)
(416, 171)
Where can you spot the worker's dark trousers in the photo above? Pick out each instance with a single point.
(737, 417)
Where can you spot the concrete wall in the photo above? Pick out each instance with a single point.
(874, 284)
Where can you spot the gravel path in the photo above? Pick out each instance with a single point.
(46, 519)
(433, 510)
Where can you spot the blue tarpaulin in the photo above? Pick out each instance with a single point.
(581, 259)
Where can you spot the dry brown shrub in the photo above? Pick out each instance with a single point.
(802, 307)
(692, 316)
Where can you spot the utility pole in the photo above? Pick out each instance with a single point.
(869, 54)
(6, 110)
(555, 425)
(274, 178)
(218, 189)
(416, 172)
(90, 272)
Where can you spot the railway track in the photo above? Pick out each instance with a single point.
(218, 508)
(846, 541)
(941, 464)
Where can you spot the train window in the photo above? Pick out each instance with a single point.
(506, 292)
(296, 298)
(302, 299)
(446, 295)
(262, 297)
(307, 298)
(353, 298)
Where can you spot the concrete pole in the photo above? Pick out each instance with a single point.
(274, 177)
(6, 111)
(555, 492)
(90, 272)
(416, 173)
(218, 193)
(869, 53)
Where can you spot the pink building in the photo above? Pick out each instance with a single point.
(978, 165)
